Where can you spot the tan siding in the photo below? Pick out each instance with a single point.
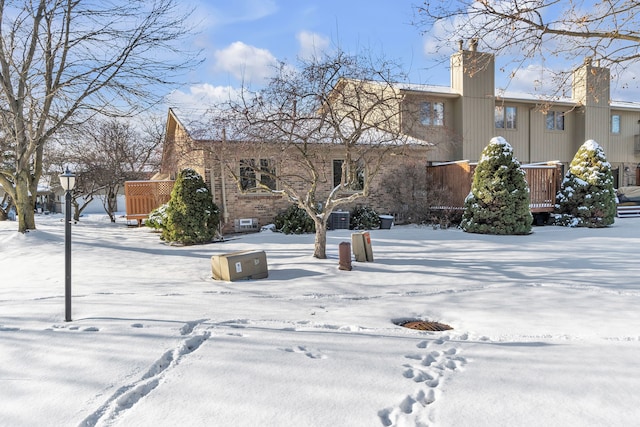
(552, 145)
(621, 146)
(479, 127)
(444, 139)
(518, 138)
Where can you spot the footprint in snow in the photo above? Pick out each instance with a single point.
(428, 369)
(304, 350)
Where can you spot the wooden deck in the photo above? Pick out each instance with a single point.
(456, 179)
(144, 196)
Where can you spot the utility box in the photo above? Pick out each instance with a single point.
(245, 224)
(386, 221)
(239, 265)
(339, 220)
(361, 244)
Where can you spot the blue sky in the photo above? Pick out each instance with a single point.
(241, 39)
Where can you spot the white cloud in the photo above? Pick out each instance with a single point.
(246, 63)
(202, 96)
(312, 44)
(236, 11)
(536, 79)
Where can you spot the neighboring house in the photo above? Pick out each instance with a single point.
(461, 120)
(457, 121)
(242, 206)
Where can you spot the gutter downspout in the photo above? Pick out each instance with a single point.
(225, 212)
(529, 135)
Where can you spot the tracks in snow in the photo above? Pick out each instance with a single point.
(427, 368)
(127, 396)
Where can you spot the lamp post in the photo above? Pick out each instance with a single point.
(67, 181)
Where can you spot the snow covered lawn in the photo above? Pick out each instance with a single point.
(546, 330)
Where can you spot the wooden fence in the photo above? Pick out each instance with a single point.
(455, 179)
(144, 196)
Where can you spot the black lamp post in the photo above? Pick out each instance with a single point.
(67, 181)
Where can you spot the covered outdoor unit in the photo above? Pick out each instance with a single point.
(339, 221)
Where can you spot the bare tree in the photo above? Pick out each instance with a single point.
(338, 105)
(64, 60)
(607, 30)
(107, 153)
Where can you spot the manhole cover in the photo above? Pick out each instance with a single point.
(424, 325)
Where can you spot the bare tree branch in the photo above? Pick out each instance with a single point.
(62, 61)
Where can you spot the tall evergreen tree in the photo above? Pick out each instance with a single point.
(587, 197)
(499, 199)
(191, 215)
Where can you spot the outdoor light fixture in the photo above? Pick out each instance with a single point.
(67, 181)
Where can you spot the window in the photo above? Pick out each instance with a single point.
(252, 172)
(615, 123)
(505, 117)
(354, 175)
(555, 120)
(432, 113)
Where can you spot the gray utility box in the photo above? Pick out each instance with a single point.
(239, 265)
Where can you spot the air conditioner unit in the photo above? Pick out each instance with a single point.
(246, 224)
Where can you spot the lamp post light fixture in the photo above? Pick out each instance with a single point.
(67, 181)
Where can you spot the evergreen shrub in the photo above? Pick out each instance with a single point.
(587, 197)
(157, 218)
(499, 199)
(294, 220)
(363, 218)
(191, 215)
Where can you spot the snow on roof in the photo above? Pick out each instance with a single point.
(200, 129)
(625, 105)
(416, 87)
(535, 98)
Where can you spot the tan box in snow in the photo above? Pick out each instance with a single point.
(361, 245)
(239, 265)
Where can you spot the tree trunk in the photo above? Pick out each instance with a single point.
(112, 203)
(320, 248)
(24, 206)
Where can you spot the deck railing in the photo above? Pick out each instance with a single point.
(144, 196)
(455, 179)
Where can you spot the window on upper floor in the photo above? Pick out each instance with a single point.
(432, 113)
(254, 171)
(354, 176)
(506, 117)
(555, 120)
(615, 123)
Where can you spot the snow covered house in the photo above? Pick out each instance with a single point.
(461, 119)
(457, 122)
(244, 206)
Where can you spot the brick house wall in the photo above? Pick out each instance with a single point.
(219, 164)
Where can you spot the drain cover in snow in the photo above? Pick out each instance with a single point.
(423, 325)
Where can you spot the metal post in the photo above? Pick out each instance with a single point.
(67, 257)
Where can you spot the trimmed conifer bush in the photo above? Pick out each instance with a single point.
(499, 199)
(294, 220)
(191, 216)
(363, 218)
(587, 197)
(157, 218)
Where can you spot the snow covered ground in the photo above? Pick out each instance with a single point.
(546, 330)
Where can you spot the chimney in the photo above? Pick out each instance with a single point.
(473, 45)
